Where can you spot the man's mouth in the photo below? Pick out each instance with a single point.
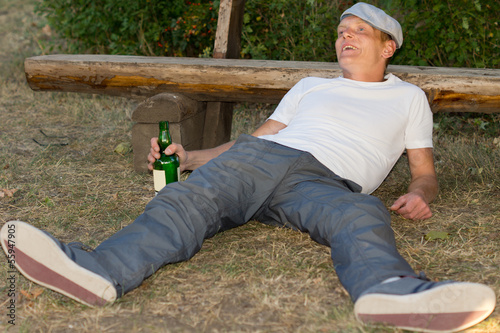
(349, 47)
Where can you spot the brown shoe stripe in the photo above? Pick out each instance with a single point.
(430, 321)
(41, 273)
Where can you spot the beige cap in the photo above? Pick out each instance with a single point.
(378, 19)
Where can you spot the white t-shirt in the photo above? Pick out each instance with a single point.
(357, 129)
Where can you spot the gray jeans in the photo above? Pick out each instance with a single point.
(261, 180)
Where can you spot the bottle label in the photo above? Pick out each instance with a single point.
(159, 179)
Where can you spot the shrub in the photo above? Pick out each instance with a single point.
(152, 27)
(193, 33)
(458, 33)
(291, 30)
(449, 33)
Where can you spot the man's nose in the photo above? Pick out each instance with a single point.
(347, 33)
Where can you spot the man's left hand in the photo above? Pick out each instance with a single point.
(412, 206)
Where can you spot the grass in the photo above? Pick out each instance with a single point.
(251, 279)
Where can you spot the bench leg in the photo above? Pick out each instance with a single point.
(218, 120)
(186, 118)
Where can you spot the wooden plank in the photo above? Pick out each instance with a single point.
(229, 24)
(237, 80)
(218, 121)
(219, 115)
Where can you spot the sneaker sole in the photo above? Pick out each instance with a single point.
(466, 304)
(41, 260)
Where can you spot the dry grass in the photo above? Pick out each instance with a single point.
(251, 279)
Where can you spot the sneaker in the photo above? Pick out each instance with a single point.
(50, 263)
(424, 306)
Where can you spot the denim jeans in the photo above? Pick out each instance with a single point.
(261, 180)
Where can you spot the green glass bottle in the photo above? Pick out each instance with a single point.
(166, 168)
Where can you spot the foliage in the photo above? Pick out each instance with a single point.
(193, 33)
(458, 33)
(291, 30)
(152, 27)
(450, 33)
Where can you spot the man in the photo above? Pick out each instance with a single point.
(310, 166)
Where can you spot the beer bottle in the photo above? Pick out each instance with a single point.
(166, 168)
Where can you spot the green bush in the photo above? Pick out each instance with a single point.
(449, 33)
(193, 33)
(152, 27)
(291, 30)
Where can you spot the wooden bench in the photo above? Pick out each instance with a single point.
(178, 89)
(195, 94)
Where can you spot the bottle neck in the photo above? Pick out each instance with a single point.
(164, 139)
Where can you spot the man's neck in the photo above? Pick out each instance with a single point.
(364, 77)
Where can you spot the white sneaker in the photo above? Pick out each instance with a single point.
(423, 306)
(50, 263)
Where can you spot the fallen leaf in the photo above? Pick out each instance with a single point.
(32, 295)
(123, 148)
(434, 235)
(476, 171)
(7, 193)
(317, 280)
(47, 30)
(496, 142)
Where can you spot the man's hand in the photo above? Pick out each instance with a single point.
(197, 158)
(423, 187)
(412, 206)
(174, 148)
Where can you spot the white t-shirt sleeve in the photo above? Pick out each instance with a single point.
(288, 106)
(418, 132)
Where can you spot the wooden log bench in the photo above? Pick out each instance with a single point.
(183, 90)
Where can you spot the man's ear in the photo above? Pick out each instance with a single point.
(389, 49)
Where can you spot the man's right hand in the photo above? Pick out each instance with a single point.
(197, 158)
(174, 148)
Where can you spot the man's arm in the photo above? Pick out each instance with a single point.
(196, 158)
(423, 187)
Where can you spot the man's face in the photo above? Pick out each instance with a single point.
(359, 46)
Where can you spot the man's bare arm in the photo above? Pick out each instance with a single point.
(423, 187)
(196, 158)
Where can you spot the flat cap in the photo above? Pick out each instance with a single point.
(378, 19)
